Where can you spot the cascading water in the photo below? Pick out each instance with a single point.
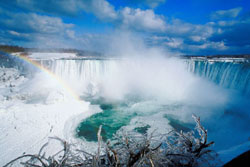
(82, 70)
(231, 75)
(228, 74)
(80, 74)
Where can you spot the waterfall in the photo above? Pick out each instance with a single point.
(84, 76)
(228, 74)
(80, 70)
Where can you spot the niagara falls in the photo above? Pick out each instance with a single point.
(102, 83)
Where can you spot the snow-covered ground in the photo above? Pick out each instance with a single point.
(48, 56)
(31, 110)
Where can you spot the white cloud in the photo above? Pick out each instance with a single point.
(70, 34)
(61, 7)
(46, 24)
(231, 13)
(175, 34)
(145, 20)
(189, 38)
(150, 3)
(154, 3)
(180, 28)
(100, 8)
(196, 38)
(212, 46)
(138, 19)
(34, 29)
(14, 33)
(174, 42)
(31, 22)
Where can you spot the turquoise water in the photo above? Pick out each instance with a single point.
(115, 116)
(112, 118)
(141, 115)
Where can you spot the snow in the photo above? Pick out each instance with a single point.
(222, 59)
(47, 56)
(26, 124)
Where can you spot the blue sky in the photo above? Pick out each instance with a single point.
(183, 26)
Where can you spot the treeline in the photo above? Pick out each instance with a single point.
(246, 56)
(64, 50)
(11, 49)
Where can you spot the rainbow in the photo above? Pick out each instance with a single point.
(54, 76)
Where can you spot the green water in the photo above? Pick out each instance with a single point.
(114, 116)
(112, 119)
(143, 129)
